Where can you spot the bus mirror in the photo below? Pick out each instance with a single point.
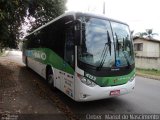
(78, 32)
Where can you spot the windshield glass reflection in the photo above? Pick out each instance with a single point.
(95, 38)
(123, 44)
(105, 44)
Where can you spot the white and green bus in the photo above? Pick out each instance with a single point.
(86, 56)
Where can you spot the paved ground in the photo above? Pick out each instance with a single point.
(21, 91)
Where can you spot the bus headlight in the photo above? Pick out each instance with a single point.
(86, 81)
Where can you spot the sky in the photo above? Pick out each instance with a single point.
(139, 14)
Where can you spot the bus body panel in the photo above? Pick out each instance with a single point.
(86, 93)
(38, 67)
(64, 82)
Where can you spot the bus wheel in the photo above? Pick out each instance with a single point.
(50, 78)
(26, 61)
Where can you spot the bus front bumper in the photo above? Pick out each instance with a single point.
(86, 93)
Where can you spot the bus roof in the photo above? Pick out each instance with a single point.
(74, 14)
(101, 16)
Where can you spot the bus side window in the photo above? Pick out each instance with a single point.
(33, 41)
(69, 45)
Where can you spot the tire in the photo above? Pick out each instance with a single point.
(50, 77)
(26, 61)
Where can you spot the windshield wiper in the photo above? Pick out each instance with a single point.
(125, 56)
(104, 52)
(117, 46)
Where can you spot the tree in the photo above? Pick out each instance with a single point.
(45, 10)
(14, 12)
(149, 34)
(140, 34)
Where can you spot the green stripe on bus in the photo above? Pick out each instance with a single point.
(113, 81)
(48, 56)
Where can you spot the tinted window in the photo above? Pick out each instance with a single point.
(33, 41)
(95, 39)
(69, 44)
(51, 36)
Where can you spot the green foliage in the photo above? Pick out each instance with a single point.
(1, 52)
(45, 10)
(13, 13)
(141, 34)
(11, 17)
(149, 34)
(149, 71)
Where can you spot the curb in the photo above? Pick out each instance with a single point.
(148, 76)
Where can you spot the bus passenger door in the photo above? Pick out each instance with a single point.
(68, 66)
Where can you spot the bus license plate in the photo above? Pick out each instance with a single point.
(115, 93)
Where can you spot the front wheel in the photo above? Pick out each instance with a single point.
(50, 78)
(26, 62)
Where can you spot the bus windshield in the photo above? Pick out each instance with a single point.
(105, 43)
